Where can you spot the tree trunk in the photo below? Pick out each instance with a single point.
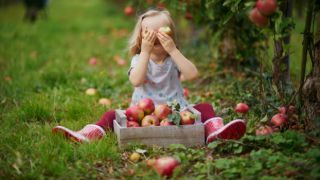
(282, 74)
(311, 88)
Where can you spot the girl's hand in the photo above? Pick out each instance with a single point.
(148, 42)
(166, 42)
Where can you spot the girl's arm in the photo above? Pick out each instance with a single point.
(188, 69)
(138, 73)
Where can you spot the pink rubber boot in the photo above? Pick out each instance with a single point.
(215, 129)
(88, 133)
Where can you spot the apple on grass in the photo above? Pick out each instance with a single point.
(291, 110)
(258, 19)
(134, 113)
(132, 124)
(150, 162)
(150, 120)
(93, 61)
(147, 105)
(121, 62)
(189, 16)
(279, 120)
(242, 108)
(129, 10)
(165, 122)
(135, 157)
(165, 29)
(105, 102)
(165, 166)
(186, 118)
(267, 7)
(162, 111)
(264, 130)
(91, 92)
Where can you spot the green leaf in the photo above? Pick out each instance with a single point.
(238, 151)
(141, 151)
(213, 2)
(228, 17)
(193, 116)
(177, 119)
(264, 119)
(227, 2)
(177, 107)
(170, 117)
(214, 144)
(266, 31)
(176, 146)
(285, 23)
(286, 47)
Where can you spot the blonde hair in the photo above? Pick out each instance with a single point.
(135, 40)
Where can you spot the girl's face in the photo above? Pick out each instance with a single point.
(155, 23)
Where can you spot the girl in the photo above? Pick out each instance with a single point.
(155, 71)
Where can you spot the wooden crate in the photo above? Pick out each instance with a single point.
(188, 135)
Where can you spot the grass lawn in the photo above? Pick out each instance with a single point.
(47, 63)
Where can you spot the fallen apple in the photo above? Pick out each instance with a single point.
(150, 120)
(91, 92)
(258, 19)
(116, 57)
(165, 29)
(132, 124)
(147, 105)
(105, 102)
(264, 130)
(160, 6)
(165, 122)
(134, 113)
(129, 10)
(7, 78)
(150, 162)
(165, 166)
(279, 120)
(162, 111)
(189, 16)
(135, 157)
(291, 110)
(93, 61)
(185, 118)
(267, 7)
(242, 108)
(121, 62)
(186, 92)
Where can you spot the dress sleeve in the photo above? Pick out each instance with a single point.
(133, 63)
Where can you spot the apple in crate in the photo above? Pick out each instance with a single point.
(279, 120)
(185, 118)
(242, 108)
(264, 130)
(291, 110)
(132, 124)
(162, 111)
(165, 166)
(147, 105)
(165, 122)
(150, 120)
(91, 91)
(134, 113)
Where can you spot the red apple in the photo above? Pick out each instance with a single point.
(121, 62)
(147, 105)
(267, 7)
(129, 10)
(149, 120)
(134, 113)
(132, 124)
(258, 19)
(7, 78)
(93, 61)
(116, 57)
(135, 157)
(165, 29)
(165, 122)
(242, 108)
(91, 92)
(105, 102)
(291, 110)
(264, 130)
(189, 16)
(162, 111)
(160, 6)
(186, 92)
(144, 32)
(149, 1)
(165, 166)
(279, 120)
(185, 118)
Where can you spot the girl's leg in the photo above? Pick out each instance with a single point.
(206, 110)
(106, 121)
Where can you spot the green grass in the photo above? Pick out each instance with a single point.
(48, 89)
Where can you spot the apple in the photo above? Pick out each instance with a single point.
(116, 57)
(147, 105)
(186, 92)
(160, 6)
(291, 110)
(132, 124)
(144, 32)
(185, 118)
(91, 92)
(134, 113)
(93, 61)
(162, 111)
(7, 78)
(135, 157)
(242, 108)
(165, 166)
(165, 122)
(264, 130)
(258, 19)
(267, 7)
(189, 16)
(165, 29)
(149, 120)
(151, 162)
(121, 62)
(129, 10)
(105, 102)
(279, 120)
